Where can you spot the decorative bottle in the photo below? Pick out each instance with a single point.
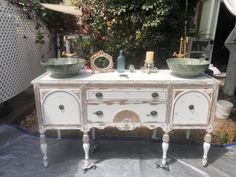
(121, 62)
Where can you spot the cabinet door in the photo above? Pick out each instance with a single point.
(61, 107)
(191, 108)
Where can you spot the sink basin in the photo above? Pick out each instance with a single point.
(187, 67)
(63, 67)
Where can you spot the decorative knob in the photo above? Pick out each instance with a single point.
(99, 113)
(153, 113)
(155, 95)
(98, 94)
(191, 107)
(61, 107)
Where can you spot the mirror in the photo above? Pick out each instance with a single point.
(101, 62)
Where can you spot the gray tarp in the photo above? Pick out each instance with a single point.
(20, 156)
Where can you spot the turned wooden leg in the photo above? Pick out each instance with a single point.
(206, 147)
(165, 146)
(93, 133)
(59, 134)
(86, 145)
(154, 134)
(87, 162)
(188, 131)
(43, 145)
(93, 144)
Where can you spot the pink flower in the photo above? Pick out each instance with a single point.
(142, 28)
(105, 38)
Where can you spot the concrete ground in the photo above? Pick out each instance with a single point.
(20, 156)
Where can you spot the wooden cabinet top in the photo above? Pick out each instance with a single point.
(138, 77)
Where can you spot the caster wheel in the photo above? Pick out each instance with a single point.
(88, 167)
(45, 163)
(204, 162)
(165, 166)
(163, 162)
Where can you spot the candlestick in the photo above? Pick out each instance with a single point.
(149, 68)
(149, 57)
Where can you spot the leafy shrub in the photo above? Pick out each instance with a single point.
(134, 26)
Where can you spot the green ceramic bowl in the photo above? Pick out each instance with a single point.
(63, 67)
(187, 67)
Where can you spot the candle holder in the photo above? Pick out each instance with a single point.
(149, 67)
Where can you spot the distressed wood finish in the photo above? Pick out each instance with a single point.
(157, 100)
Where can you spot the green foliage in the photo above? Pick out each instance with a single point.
(34, 11)
(133, 25)
(234, 135)
(224, 138)
(83, 46)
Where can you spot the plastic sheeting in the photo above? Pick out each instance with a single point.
(20, 156)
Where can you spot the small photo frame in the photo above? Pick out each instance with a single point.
(101, 62)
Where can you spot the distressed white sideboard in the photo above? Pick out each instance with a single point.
(125, 101)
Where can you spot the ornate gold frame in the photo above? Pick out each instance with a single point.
(97, 55)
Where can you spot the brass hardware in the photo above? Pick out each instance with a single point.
(184, 39)
(182, 48)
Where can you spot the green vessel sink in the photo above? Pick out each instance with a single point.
(187, 67)
(63, 67)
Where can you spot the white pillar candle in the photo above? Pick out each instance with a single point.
(149, 57)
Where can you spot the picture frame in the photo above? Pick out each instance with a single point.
(101, 62)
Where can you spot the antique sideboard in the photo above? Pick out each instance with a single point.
(125, 101)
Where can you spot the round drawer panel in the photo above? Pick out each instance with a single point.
(191, 108)
(61, 108)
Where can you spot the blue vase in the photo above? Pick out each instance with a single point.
(121, 62)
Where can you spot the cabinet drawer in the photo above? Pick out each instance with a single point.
(60, 107)
(143, 113)
(142, 94)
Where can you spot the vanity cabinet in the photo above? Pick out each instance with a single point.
(156, 100)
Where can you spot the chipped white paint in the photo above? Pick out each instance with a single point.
(61, 107)
(138, 99)
(191, 108)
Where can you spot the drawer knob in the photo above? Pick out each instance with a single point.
(155, 95)
(191, 107)
(98, 94)
(99, 113)
(61, 107)
(154, 113)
